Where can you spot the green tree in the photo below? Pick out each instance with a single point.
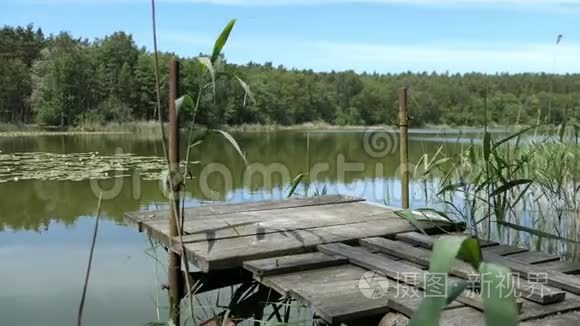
(144, 88)
(19, 47)
(61, 81)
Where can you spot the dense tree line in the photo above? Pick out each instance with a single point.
(62, 80)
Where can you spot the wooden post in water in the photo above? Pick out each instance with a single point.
(174, 272)
(404, 141)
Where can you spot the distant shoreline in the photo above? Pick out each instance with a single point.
(152, 128)
(309, 126)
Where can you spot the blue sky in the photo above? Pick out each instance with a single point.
(323, 35)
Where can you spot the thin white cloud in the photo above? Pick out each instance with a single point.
(441, 57)
(459, 58)
(452, 56)
(408, 2)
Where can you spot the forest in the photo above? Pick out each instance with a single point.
(60, 80)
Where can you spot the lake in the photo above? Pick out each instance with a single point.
(49, 187)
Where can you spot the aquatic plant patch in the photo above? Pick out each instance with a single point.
(77, 166)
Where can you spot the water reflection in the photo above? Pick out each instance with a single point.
(42, 275)
(45, 231)
(33, 204)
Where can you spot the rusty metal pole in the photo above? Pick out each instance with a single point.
(174, 273)
(404, 142)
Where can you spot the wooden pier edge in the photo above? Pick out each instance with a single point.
(317, 250)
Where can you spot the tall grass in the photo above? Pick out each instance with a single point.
(519, 179)
(517, 183)
(144, 127)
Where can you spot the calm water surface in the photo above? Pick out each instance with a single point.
(46, 222)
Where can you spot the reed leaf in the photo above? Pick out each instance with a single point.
(208, 64)
(222, 40)
(512, 136)
(232, 142)
(247, 90)
(445, 251)
(451, 187)
(186, 101)
(294, 184)
(409, 216)
(486, 145)
(455, 289)
(509, 185)
(498, 295)
(535, 232)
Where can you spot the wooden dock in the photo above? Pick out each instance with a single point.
(320, 251)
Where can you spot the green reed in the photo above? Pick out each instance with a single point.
(516, 182)
(508, 180)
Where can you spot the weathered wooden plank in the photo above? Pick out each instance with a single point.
(426, 241)
(503, 250)
(349, 304)
(283, 283)
(384, 254)
(393, 269)
(335, 295)
(231, 252)
(262, 222)
(563, 266)
(529, 310)
(294, 263)
(556, 279)
(407, 262)
(461, 317)
(483, 243)
(534, 257)
(416, 255)
(276, 220)
(416, 239)
(532, 310)
(461, 269)
(565, 319)
(208, 211)
(535, 272)
(343, 303)
(520, 254)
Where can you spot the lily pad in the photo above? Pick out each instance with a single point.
(16, 167)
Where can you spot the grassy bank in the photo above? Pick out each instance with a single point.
(135, 127)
